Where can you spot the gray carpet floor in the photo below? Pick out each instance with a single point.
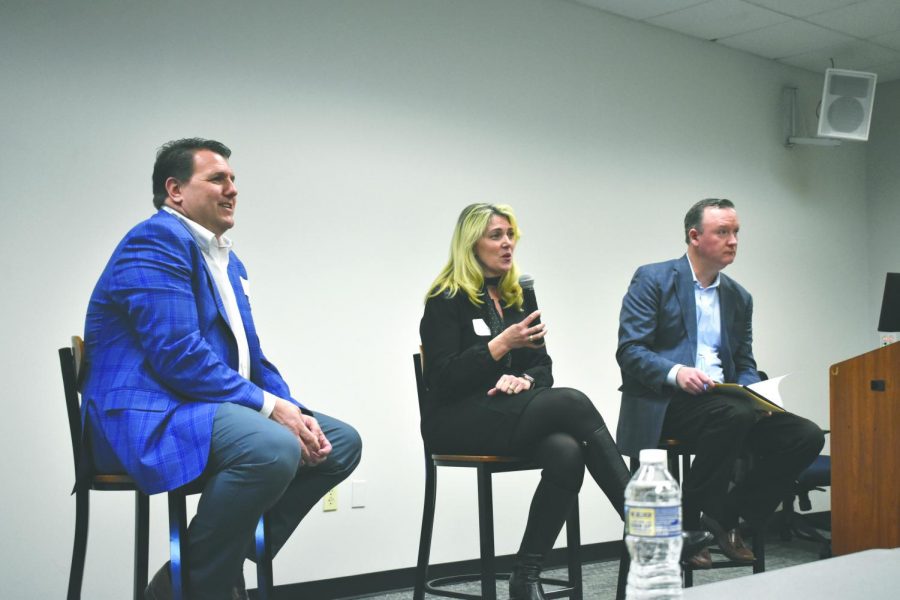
(600, 577)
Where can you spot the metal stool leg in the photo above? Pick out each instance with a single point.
(688, 572)
(427, 529)
(573, 541)
(624, 566)
(177, 558)
(264, 580)
(624, 558)
(759, 550)
(141, 542)
(486, 534)
(79, 546)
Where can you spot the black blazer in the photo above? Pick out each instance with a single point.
(458, 415)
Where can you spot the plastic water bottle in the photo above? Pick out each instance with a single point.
(653, 530)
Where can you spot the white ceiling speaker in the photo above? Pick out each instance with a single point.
(847, 104)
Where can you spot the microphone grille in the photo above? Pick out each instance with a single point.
(526, 281)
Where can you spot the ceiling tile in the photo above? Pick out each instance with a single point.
(801, 33)
(875, 55)
(785, 39)
(865, 19)
(718, 19)
(886, 73)
(640, 9)
(891, 40)
(856, 55)
(802, 8)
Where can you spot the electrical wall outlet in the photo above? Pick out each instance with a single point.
(330, 501)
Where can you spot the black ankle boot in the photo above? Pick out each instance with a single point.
(607, 467)
(550, 506)
(524, 582)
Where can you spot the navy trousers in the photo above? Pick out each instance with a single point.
(254, 467)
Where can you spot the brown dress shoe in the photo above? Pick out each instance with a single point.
(730, 542)
(701, 560)
(737, 542)
(693, 542)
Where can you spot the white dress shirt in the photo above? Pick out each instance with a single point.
(216, 253)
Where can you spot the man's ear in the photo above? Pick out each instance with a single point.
(173, 189)
(693, 234)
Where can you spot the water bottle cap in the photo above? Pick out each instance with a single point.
(652, 455)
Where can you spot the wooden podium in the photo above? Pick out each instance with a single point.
(865, 451)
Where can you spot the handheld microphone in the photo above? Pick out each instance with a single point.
(527, 283)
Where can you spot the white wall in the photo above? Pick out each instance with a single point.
(359, 131)
(883, 182)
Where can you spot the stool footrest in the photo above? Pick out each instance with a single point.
(436, 586)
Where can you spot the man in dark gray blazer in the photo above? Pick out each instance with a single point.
(685, 326)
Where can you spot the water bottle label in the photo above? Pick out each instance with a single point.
(653, 521)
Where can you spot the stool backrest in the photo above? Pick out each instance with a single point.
(71, 362)
(421, 388)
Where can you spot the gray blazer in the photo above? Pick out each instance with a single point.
(658, 329)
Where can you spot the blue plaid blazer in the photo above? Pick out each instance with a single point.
(161, 357)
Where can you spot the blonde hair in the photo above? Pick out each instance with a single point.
(463, 271)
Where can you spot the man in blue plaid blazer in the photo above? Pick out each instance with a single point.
(177, 387)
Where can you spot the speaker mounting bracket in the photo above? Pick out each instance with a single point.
(791, 139)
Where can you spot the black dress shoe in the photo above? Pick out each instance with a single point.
(692, 542)
(730, 542)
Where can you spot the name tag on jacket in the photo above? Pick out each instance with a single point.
(480, 327)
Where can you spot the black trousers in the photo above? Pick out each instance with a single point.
(561, 430)
(720, 429)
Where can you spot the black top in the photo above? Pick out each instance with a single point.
(458, 415)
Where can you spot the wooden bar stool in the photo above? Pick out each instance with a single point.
(71, 361)
(679, 464)
(485, 467)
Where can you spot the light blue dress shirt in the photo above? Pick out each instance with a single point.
(709, 331)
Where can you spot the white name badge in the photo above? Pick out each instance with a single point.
(480, 327)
